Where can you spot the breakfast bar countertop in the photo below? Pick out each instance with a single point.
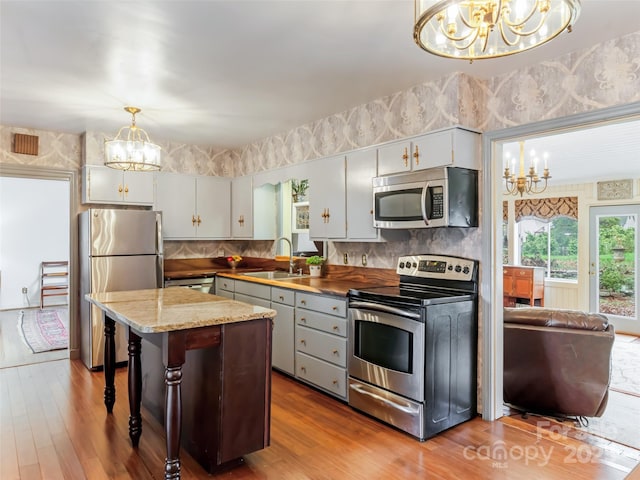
(170, 309)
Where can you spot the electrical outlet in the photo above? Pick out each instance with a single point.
(24, 289)
(345, 258)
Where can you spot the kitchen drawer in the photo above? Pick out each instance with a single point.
(223, 283)
(329, 377)
(254, 289)
(322, 345)
(224, 293)
(327, 304)
(321, 321)
(261, 302)
(282, 295)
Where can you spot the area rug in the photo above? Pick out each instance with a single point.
(43, 330)
(625, 369)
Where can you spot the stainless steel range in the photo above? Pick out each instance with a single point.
(413, 347)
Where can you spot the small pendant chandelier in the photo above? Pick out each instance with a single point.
(478, 29)
(135, 152)
(529, 183)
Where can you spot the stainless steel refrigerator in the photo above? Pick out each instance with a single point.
(119, 250)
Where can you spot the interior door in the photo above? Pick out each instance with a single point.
(613, 265)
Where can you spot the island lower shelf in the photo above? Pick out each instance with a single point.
(226, 393)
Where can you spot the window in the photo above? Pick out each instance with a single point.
(552, 244)
(546, 230)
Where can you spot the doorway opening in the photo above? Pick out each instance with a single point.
(35, 233)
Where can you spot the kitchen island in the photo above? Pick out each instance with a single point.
(178, 320)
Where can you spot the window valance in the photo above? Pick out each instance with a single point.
(546, 208)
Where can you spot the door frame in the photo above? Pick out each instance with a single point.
(623, 324)
(490, 299)
(71, 176)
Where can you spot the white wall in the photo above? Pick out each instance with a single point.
(34, 227)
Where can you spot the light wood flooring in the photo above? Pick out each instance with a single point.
(53, 425)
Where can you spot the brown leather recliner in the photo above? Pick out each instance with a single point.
(557, 362)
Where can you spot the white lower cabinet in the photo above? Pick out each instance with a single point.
(282, 301)
(225, 287)
(321, 342)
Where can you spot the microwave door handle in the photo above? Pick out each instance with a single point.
(377, 307)
(423, 204)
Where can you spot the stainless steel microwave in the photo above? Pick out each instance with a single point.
(435, 197)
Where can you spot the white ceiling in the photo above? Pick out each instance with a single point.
(230, 72)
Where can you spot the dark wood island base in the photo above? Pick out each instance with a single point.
(215, 380)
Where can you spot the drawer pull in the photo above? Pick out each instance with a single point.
(303, 302)
(303, 341)
(281, 297)
(335, 382)
(336, 328)
(303, 369)
(335, 352)
(334, 308)
(303, 320)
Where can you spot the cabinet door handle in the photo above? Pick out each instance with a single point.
(328, 215)
(241, 220)
(416, 155)
(199, 221)
(126, 189)
(405, 157)
(193, 220)
(119, 188)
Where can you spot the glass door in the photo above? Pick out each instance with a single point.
(613, 265)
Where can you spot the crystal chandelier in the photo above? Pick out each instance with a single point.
(477, 29)
(135, 152)
(529, 183)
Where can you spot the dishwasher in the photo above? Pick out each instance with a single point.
(204, 283)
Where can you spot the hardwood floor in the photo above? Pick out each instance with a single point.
(53, 425)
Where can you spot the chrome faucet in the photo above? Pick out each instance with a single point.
(275, 245)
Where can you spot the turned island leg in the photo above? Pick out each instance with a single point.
(135, 388)
(109, 363)
(174, 356)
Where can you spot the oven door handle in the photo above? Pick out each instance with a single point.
(405, 408)
(384, 308)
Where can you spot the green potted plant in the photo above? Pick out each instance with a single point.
(299, 189)
(315, 265)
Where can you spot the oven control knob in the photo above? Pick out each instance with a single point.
(450, 267)
(465, 270)
(458, 268)
(401, 265)
(415, 265)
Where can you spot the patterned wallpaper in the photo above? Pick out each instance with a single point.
(602, 76)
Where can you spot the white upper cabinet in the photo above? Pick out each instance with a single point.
(327, 198)
(361, 168)
(193, 207)
(454, 147)
(108, 185)
(451, 147)
(395, 157)
(242, 207)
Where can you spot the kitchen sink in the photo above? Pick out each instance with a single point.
(275, 275)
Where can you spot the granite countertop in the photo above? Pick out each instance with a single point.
(322, 285)
(169, 309)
